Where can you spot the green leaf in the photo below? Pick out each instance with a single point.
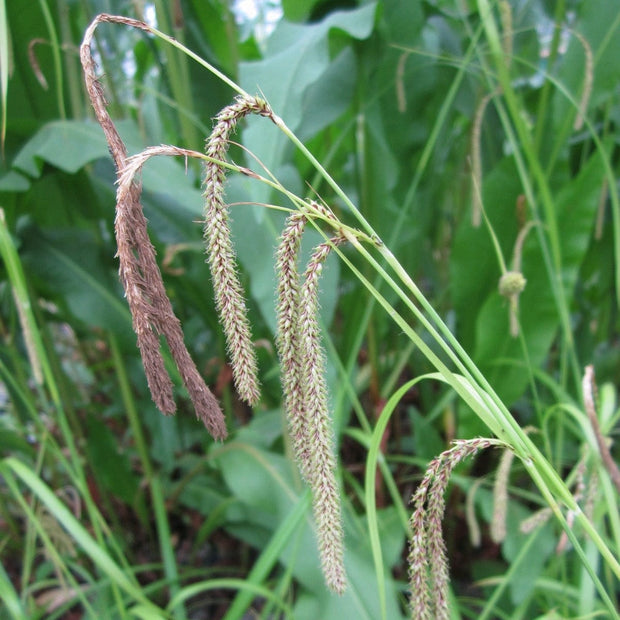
(329, 97)
(14, 182)
(69, 267)
(298, 10)
(9, 597)
(297, 56)
(68, 145)
(12, 442)
(265, 485)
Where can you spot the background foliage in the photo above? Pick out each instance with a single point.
(110, 509)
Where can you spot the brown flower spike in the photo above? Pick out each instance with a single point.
(151, 310)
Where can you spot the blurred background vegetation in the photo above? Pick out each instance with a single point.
(110, 510)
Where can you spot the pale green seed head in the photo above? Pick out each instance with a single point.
(511, 283)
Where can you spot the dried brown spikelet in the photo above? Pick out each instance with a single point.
(588, 81)
(476, 160)
(151, 310)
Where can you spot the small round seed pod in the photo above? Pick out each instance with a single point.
(511, 283)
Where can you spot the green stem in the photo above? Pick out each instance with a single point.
(541, 121)
(51, 29)
(178, 75)
(165, 544)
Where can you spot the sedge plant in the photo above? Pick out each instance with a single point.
(302, 356)
(300, 348)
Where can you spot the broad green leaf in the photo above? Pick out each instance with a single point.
(69, 266)
(68, 145)
(298, 10)
(71, 145)
(330, 96)
(12, 181)
(297, 56)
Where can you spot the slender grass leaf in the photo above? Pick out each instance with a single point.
(76, 530)
(4, 69)
(9, 597)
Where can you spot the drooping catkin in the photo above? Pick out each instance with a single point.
(505, 15)
(588, 385)
(229, 297)
(476, 161)
(428, 564)
(475, 536)
(289, 338)
(536, 519)
(588, 81)
(500, 497)
(151, 310)
(321, 466)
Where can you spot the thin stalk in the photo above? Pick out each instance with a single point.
(51, 29)
(72, 69)
(543, 103)
(165, 544)
(515, 568)
(270, 554)
(178, 75)
(369, 486)
(130, 407)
